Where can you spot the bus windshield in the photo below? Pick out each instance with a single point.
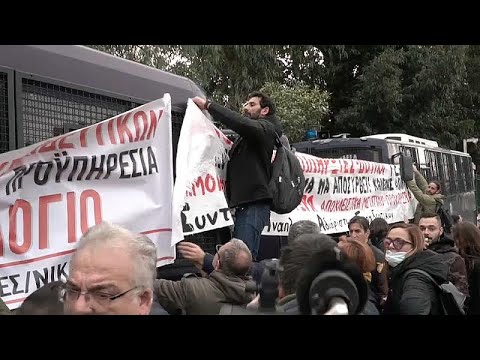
(358, 153)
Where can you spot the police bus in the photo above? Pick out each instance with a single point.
(49, 90)
(454, 169)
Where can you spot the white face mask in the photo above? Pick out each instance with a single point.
(395, 258)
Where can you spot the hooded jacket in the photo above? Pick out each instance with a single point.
(415, 294)
(249, 169)
(457, 271)
(202, 296)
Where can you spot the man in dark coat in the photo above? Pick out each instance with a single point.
(437, 241)
(250, 167)
(205, 295)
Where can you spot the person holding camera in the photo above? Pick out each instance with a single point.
(226, 284)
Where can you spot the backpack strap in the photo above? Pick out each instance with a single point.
(278, 142)
(436, 286)
(424, 273)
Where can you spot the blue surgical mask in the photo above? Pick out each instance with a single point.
(395, 258)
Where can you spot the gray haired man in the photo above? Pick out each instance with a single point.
(111, 272)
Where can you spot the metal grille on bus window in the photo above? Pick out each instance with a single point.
(431, 164)
(451, 170)
(467, 172)
(461, 176)
(446, 174)
(4, 146)
(441, 172)
(46, 108)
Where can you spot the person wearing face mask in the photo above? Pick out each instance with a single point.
(413, 293)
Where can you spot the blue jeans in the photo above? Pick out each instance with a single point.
(249, 223)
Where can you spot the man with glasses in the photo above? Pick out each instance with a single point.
(112, 273)
(226, 284)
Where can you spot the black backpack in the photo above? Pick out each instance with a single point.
(445, 217)
(288, 181)
(452, 300)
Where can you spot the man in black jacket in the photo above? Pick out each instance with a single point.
(250, 167)
(437, 241)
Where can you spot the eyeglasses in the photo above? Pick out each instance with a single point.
(217, 247)
(100, 298)
(397, 243)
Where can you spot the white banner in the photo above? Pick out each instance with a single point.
(335, 191)
(338, 189)
(202, 154)
(118, 170)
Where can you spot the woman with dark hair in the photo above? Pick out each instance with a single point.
(412, 293)
(467, 238)
(378, 231)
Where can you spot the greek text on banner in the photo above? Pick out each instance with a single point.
(118, 170)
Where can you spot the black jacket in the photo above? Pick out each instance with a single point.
(250, 167)
(474, 285)
(457, 272)
(371, 306)
(378, 284)
(415, 294)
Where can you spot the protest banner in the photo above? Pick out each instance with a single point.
(198, 196)
(338, 189)
(335, 191)
(118, 170)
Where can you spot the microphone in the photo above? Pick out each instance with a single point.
(331, 284)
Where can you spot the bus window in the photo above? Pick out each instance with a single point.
(452, 173)
(431, 165)
(467, 172)
(442, 177)
(458, 173)
(407, 150)
(448, 174)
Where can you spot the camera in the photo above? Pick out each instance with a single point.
(328, 284)
(267, 291)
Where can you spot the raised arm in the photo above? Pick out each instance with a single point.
(245, 127)
(420, 180)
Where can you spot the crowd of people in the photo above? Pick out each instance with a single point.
(374, 269)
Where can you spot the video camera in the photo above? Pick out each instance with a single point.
(267, 291)
(329, 284)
